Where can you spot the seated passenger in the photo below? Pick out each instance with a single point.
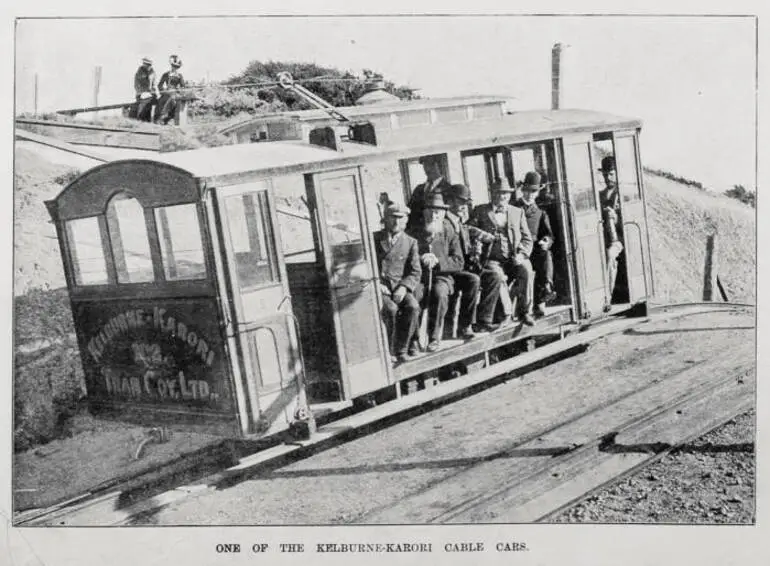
(540, 228)
(472, 241)
(441, 257)
(171, 83)
(508, 256)
(400, 272)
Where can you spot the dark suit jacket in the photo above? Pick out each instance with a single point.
(445, 246)
(611, 229)
(417, 203)
(519, 236)
(399, 264)
(538, 222)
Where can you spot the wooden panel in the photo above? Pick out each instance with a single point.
(93, 135)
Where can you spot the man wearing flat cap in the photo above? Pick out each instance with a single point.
(146, 90)
(507, 258)
(435, 183)
(400, 272)
(441, 257)
(609, 199)
(540, 227)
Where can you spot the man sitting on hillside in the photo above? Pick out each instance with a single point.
(171, 82)
(146, 90)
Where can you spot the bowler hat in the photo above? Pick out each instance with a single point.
(397, 210)
(503, 186)
(531, 181)
(460, 192)
(435, 200)
(608, 164)
(146, 61)
(428, 159)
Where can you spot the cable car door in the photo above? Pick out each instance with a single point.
(588, 232)
(259, 316)
(347, 256)
(632, 210)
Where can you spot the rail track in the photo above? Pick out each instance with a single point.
(566, 462)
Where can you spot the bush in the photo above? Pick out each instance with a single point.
(741, 193)
(223, 102)
(672, 177)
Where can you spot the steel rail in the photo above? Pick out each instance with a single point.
(587, 450)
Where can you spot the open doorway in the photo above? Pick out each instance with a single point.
(610, 202)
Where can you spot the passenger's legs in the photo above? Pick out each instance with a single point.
(468, 283)
(406, 323)
(437, 308)
(389, 312)
(492, 281)
(525, 279)
(542, 264)
(613, 251)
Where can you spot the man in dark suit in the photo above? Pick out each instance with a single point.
(609, 199)
(540, 228)
(441, 257)
(508, 256)
(435, 183)
(400, 272)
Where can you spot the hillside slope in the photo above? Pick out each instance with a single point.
(680, 219)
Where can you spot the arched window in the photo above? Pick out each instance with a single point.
(128, 239)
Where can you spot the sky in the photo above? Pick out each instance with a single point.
(690, 79)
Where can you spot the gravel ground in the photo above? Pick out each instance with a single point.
(346, 483)
(708, 481)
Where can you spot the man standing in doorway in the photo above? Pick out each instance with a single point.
(146, 90)
(540, 228)
(609, 199)
(435, 183)
(399, 263)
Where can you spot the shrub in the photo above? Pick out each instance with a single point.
(741, 193)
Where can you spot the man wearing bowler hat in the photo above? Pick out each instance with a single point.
(441, 257)
(609, 199)
(508, 256)
(540, 228)
(434, 183)
(400, 272)
(146, 90)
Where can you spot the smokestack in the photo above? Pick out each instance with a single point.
(556, 95)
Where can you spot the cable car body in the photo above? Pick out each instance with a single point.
(233, 289)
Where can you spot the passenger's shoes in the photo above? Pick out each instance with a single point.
(467, 333)
(414, 349)
(486, 327)
(433, 346)
(540, 310)
(550, 294)
(528, 320)
(403, 357)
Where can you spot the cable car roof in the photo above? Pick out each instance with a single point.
(225, 164)
(241, 163)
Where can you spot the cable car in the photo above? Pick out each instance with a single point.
(233, 289)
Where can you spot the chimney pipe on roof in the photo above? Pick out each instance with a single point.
(556, 59)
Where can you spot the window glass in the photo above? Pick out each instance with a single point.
(476, 177)
(128, 237)
(625, 166)
(266, 347)
(579, 176)
(181, 247)
(86, 251)
(251, 239)
(294, 220)
(342, 220)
